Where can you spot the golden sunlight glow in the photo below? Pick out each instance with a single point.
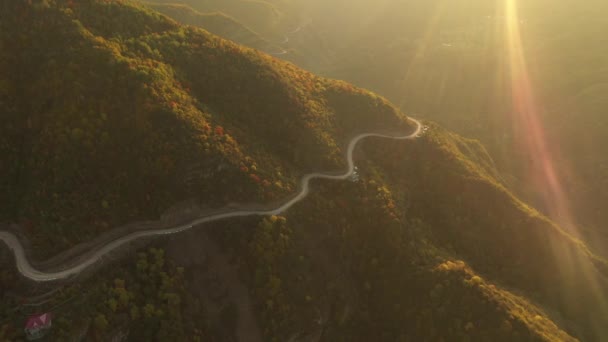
(531, 135)
(526, 116)
(419, 59)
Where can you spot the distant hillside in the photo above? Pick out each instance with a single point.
(572, 77)
(217, 23)
(259, 15)
(114, 113)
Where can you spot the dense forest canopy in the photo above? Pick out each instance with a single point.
(121, 113)
(449, 61)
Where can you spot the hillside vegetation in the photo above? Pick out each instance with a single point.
(216, 23)
(448, 61)
(115, 112)
(428, 245)
(261, 16)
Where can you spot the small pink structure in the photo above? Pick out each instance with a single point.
(37, 326)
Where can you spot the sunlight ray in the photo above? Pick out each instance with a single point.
(532, 139)
(418, 59)
(531, 134)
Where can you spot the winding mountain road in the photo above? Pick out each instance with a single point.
(286, 39)
(27, 270)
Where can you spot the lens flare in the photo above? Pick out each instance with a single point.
(418, 60)
(530, 133)
(531, 137)
(527, 126)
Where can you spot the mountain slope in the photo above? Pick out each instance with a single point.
(448, 61)
(216, 23)
(479, 220)
(115, 113)
(112, 77)
(259, 15)
(382, 263)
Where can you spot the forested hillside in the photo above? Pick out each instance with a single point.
(217, 23)
(261, 16)
(449, 61)
(114, 113)
(101, 77)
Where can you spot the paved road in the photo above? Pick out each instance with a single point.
(27, 270)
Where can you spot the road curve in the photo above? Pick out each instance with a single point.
(286, 39)
(27, 270)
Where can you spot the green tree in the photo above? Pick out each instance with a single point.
(134, 313)
(149, 310)
(100, 323)
(112, 304)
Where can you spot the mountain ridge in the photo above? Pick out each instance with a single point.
(116, 113)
